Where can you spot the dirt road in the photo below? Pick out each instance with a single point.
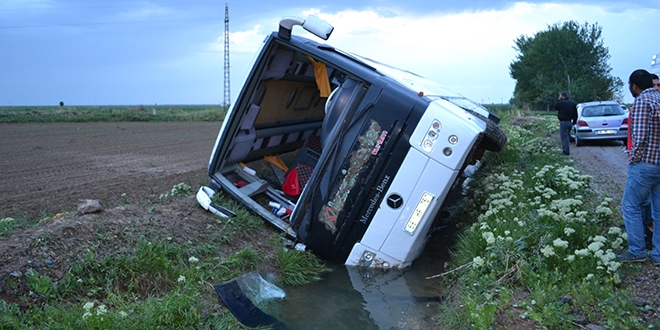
(50, 167)
(606, 162)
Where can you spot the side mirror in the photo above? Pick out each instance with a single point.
(312, 24)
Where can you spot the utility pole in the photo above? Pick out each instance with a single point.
(227, 94)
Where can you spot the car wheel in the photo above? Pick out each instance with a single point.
(494, 136)
(578, 142)
(625, 142)
(571, 134)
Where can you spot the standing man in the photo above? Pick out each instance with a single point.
(567, 115)
(643, 168)
(646, 207)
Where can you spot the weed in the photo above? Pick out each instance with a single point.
(299, 267)
(39, 284)
(7, 225)
(181, 189)
(124, 199)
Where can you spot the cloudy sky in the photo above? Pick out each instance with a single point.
(130, 52)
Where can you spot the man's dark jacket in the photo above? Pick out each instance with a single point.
(566, 110)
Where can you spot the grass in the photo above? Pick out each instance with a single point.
(154, 283)
(49, 114)
(541, 246)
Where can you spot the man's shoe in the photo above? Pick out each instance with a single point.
(655, 263)
(629, 257)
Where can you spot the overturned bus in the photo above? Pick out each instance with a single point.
(350, 157)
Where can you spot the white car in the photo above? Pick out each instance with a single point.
(600, 120)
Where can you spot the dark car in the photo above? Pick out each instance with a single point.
(351, 157)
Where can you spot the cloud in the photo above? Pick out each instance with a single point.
(466, 47)
(246, 41)
(470, 51)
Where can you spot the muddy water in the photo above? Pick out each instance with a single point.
(353, 298)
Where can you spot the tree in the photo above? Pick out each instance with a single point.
(61, 103)
(566, 57)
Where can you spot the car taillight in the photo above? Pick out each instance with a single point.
(582, 123)
(625, 122)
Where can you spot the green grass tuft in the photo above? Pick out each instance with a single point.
(299, 267)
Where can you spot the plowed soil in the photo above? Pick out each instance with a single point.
(48, 168)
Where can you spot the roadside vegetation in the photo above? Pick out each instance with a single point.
(536, 249)
(132, 277)
(49, 114)
(539, 248)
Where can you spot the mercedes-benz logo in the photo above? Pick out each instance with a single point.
(394, 201)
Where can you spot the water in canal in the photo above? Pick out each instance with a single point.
(355, 298)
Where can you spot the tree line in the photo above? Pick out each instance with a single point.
(565, 57)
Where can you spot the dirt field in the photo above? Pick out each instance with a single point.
(50, 167)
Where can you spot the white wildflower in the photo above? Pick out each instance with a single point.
(603, 211)
(477, 261)
(612, 266)
(548, 251)
(560, 243)
(582, 252)
(101, 310)
(595, 246)
(489, 237)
